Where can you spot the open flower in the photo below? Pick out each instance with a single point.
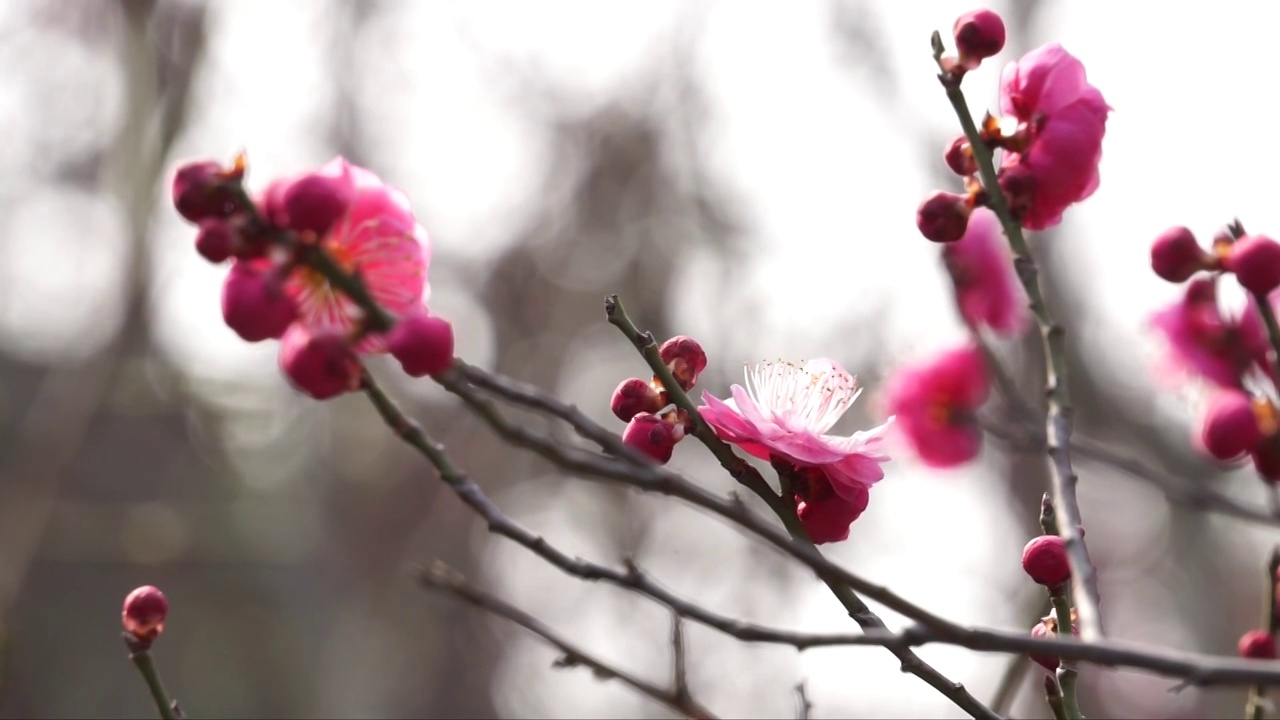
(1062, 119)
(1203, 341)
(365, 226)
(981, 268)
(935, 403)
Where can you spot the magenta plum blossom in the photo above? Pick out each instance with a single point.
(366, 226)
(825, 515)
(1061, 121)
(988, 293)
(935, 402)
(784, 413)
(1203, 341)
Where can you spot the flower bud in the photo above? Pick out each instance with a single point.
(315, 201)
(1047, 629)
(1176, 256)
(634, 396)
(652, 436)
(943, 217)
(1230, 425)
(1045, 560)
(205, 189)
(1257, 645)
(979, 34)
(216, 240)
(319, 363)
(1255, 259)
(254, 303)
(959, 157)
(143, 616)
(422, 343)
(686, 359)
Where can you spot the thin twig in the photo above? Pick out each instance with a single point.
(441, 577)
(748, 476)
(1194, 669)
(804, 707)
(141, 658)
(1058, 420)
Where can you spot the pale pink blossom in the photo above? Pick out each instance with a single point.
(981, 266)
(368, 228)
(785, 412)
(935, 402)
(1203, 341)
(1063, 118)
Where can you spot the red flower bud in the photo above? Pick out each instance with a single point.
(686, 359)
(144, 612)
(216, 240)
(422, 343)
(943, 217)
(979, 34)
(1230, 425)
(1045, 560)
(1255, 259)
(316, 200)
(205, 189)
(255, 305)
(634, 396)
(959, 157)
(1047, 628)
(652, 436)
(320, 364)
(1257, 645)
(1176, 256)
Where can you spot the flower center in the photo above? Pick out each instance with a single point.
(317, 283)
(813, 397)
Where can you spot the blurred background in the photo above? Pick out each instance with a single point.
(744, 172)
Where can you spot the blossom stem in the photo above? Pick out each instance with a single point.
(1256, 707)
(782, 506)
(1053, 694)
(1059, 417)
(167, 708)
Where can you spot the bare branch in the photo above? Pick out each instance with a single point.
(442, 578)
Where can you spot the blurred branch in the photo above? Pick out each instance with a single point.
(141, 657)
(1030, 437)
(748, 476)
(442, 578)
(804, 708)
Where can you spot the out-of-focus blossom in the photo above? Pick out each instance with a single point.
(987, 289)
(935, 402)
(1202, 341)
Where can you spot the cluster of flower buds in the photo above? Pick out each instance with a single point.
(287, 245)
(653, 425)
(1050, 134)
(1237, 422)
(143, 617)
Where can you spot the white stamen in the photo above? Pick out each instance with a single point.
(815, 399)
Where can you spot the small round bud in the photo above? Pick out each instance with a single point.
(1230, 425)
(1047, 629)
(216, 241)
(686, 359)
(1257, 645)
(652, 436)
(316, 200)
(959, 157)
(634, 396)
(144, 612)
(1255, 259)
(422, 343)
(979, 34)
(320, 364)
(1045, 560)
(204, 190)
(1176, 256)
(943, 217)
(255, 305)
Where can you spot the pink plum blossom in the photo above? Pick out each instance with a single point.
(1064, 119)
(987, 290)
(784, 413)
(367, 227)
(935, 402)
(1202, 341)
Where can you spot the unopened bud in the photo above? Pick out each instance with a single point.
(979, 34)
(1257, 645)
(634, 396)
(320, 363)
(1047, 629)
(943, 217)
(1255, 259)
(1230, 425)
(1045, 560)
(206, 189)
(959, 157)
(652, 436)
(1176, 256)
(143, 616)
(422, 343)
(686, 359)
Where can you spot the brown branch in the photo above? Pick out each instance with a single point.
(442, 578)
